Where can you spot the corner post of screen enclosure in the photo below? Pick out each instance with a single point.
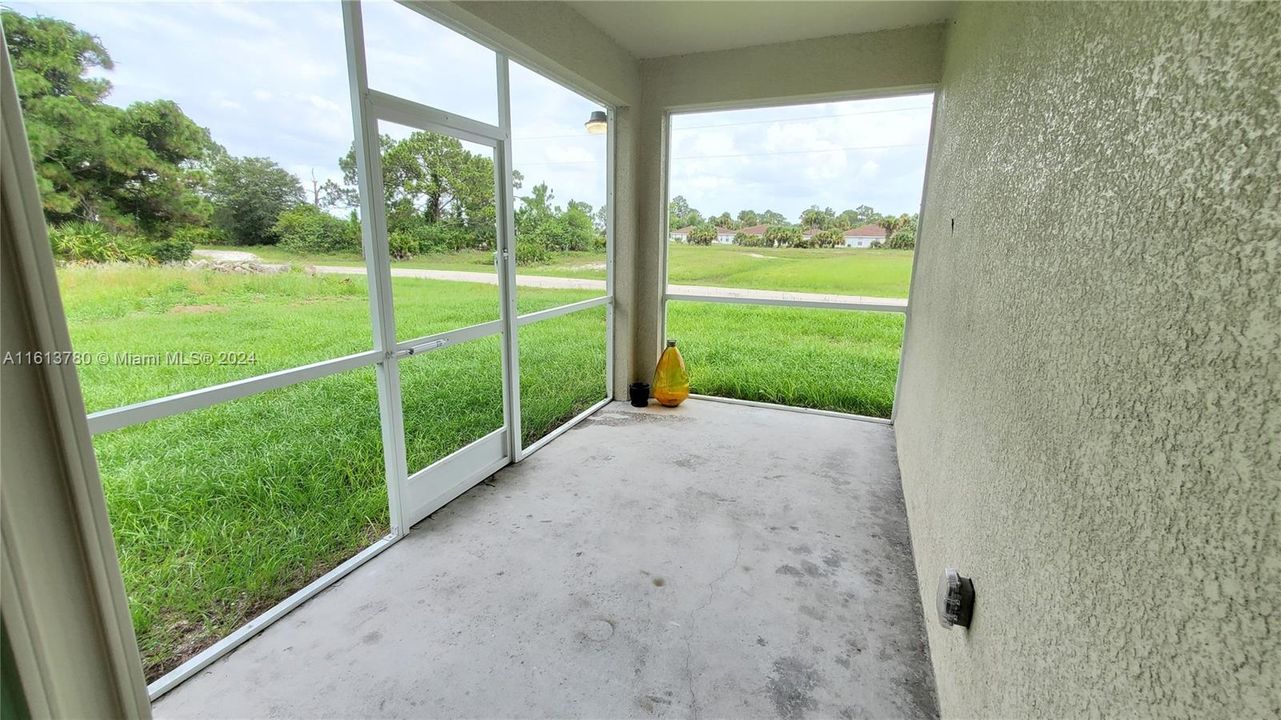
(506, 248)
(373, 227)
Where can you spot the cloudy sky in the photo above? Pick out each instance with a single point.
(269, 79)
(839, 155)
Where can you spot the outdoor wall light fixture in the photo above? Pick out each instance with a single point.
(955, 599)
(597, 124)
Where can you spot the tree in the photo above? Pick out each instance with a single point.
(861, 215)
(769, 217)
(891, 224)
(904, 237)
(782, 236)
(747, 218)
(249, 194)
(541, 226)
(136, 168)
(680, 214)
(427, 178)
(167, 188)
(578, 231)
(723, 220)
(601, 220)
(703, 234)
(815, 218)
(535, 210)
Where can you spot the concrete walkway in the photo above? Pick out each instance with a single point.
(539, 281)
(710, 560)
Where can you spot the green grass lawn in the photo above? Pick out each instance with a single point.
(221, 512)
(876, 273)
(826, 359)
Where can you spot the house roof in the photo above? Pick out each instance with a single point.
(754, 230)
(722, 230)
(866, 231)
(685, 229)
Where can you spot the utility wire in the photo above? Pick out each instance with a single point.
(736, 155)
(737, 124)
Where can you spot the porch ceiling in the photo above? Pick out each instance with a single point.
(713, 560)
(659, 29)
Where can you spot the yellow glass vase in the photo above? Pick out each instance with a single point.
(671, 379)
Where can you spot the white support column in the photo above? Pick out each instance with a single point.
(611, 147)
(506, 242)
(373, 226)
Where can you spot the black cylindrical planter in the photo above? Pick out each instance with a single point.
(638, 392)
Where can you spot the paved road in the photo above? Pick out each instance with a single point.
(539, 281)
(559, 283)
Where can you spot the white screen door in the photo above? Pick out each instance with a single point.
(447, 382)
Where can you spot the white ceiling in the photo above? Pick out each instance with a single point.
(657, 29)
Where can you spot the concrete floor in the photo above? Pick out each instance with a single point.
(713, 560)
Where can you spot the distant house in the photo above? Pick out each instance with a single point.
(864, 236)
(681, 235)
(757, 230)
(809, 233)
(724, 236)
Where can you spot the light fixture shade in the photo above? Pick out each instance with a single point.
(597, 124)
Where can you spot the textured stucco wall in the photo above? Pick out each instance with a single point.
(1090, 412)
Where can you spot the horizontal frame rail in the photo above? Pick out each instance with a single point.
(148, 410)
(425, 117)
(863, 306)
(792, 408)
(564, 428)
(116, 418)
(437, 341)
(247, 631)
(529, 318)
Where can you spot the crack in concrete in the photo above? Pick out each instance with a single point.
(689, 649)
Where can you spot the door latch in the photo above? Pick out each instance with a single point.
(419, 348)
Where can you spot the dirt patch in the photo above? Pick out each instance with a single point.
(763, 257)
(196, 309)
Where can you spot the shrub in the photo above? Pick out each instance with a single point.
(200, 236)
(702, 235)
(417, 238)
(903, 239)
(748, 240)
(308, 229)
(402, 245)
(530, 253)
(876, 244)
(169, 251)
(570, 231)
(91, 242)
